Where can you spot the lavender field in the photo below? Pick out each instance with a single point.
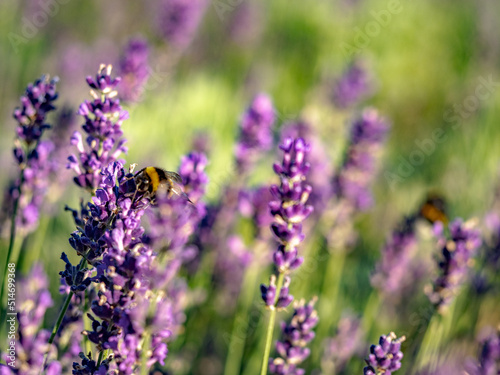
(250, 187)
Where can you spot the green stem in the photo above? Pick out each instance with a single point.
(240, 325)
(145, 353)
(270, 328)
(55, 329)
(11, 247)
(86, 325)
(60, 318)
(330, 292)
(427, 346)
(100, 357)
(35, 245)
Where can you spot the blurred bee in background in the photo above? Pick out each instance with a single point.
(151, 180)
(434, 209)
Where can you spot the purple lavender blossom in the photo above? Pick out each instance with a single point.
(134, 70)
(128, 278)
(489, 356)
(454, 261)
(33, 300)
(353, 181)
(392, 273)
(296, 335)
(178, 20)
(32, 154)
(255, 132)
(320, 175)
(385, 358)
(347, 342)
(289, 206)
(103, 119)
(352, 87)
(194, 178)
(254, 204)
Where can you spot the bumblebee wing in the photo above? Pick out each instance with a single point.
(175, 177)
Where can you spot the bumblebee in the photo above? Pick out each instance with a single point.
(151, 180)
(434, 209)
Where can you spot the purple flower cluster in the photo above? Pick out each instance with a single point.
(255, 132)
(385, 358)
(489, 356)
(352, 87)
(353, 181)
(296, 335)
(33, 300)
(194, 178)
(103, 120)
(289, 209)
(454, 261)
(320, 175)
(32, 154)
(347, 342)
(254, 204)
(134, 70)
(173, 220)
(179, 19)
(128, 278)
(393, 274)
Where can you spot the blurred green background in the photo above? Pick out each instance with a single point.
(426, 60)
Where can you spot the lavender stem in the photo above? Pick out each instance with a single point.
(144, 354)
(60, 318)
(55, 329)
(329, 295)
(11, 247)
(237, 344)
(270, 327)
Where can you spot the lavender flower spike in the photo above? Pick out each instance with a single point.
(352, 87)
(103, 143)
(289, 207)
(296, 335)
(385, 358)
(33, 301)
(489, 356)
(393, 271)
(456, 254)
(134, 69)
(255, 132)
(31, 153)
(355, 177)
(179, 19)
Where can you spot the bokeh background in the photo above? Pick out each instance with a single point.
(425, 61)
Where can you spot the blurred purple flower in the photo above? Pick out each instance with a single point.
(296, 335)
(352, 87)
(254, 204)
(32, 155)
(255, 133)
(103, 120)
(454, 260)
(178, 20)
(194, 178)
(488, 362)
(347, 342)
(33, 300)
(385, 358)
(134, 70)
(393, 274)
(353, 181)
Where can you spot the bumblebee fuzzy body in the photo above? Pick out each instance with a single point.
(150, 180)
(434, 209)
